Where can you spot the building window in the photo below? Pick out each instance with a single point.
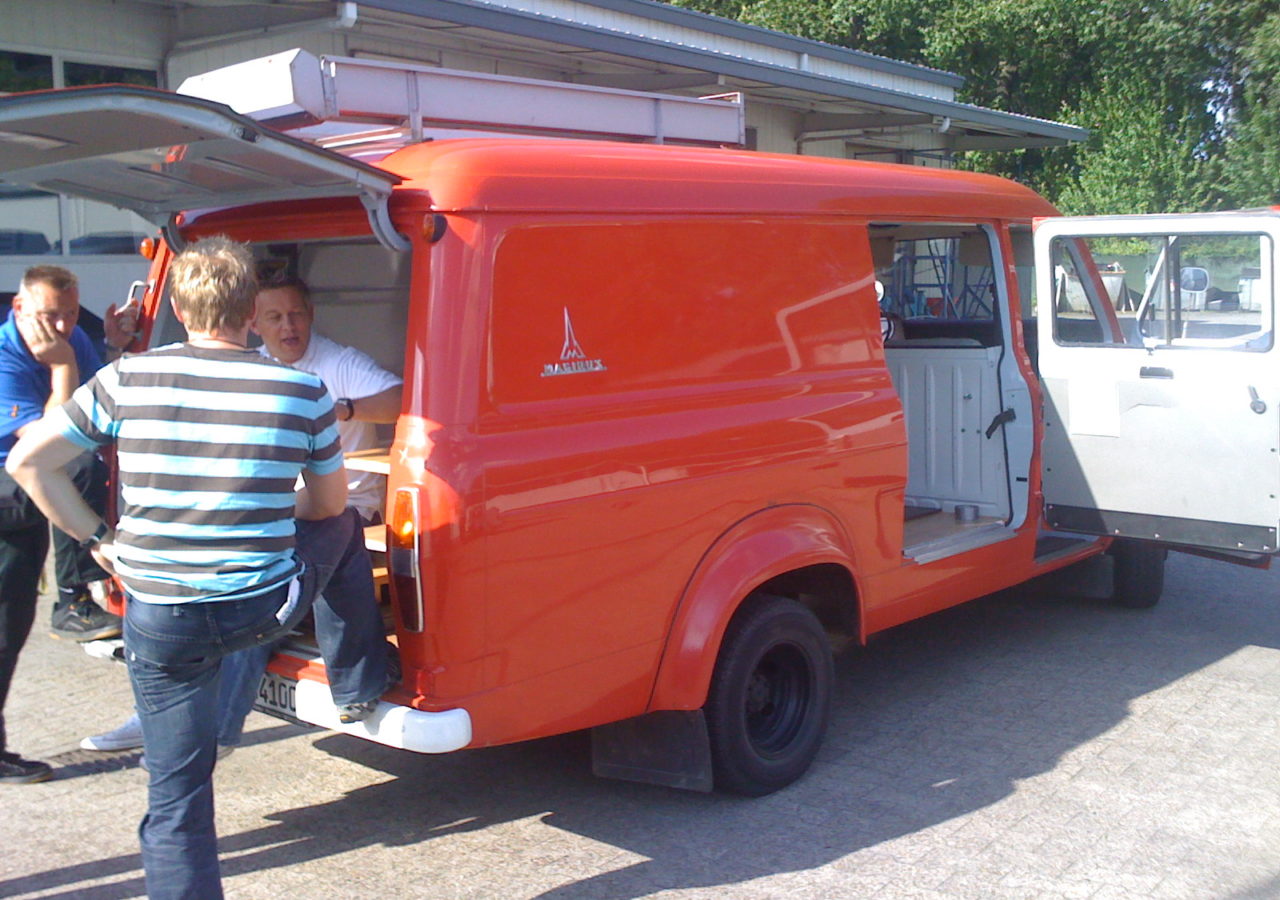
(76, 74)
(25, 72)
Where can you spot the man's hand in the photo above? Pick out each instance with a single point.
(105, 553)
(46, 344)
(120, 325)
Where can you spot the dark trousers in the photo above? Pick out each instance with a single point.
(181, 658)
(24, 544)
(348, 623)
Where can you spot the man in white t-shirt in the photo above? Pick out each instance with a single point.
(364, 394)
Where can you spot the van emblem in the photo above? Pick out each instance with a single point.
(573, 360)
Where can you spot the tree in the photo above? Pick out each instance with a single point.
(1253, 153)
(1182, 96)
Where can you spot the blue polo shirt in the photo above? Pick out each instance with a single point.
(24, 383)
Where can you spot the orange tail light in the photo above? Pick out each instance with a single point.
(404, 557)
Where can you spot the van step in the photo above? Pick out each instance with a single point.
(1048, 545)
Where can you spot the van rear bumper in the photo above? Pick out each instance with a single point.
(391, 724)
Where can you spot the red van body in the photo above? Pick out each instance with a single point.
(677, 423)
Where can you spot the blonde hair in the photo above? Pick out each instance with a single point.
(56, 277)
(213, 284)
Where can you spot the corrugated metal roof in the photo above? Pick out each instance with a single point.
(779, 68)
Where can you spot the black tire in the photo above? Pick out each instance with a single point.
(1138, 578)
(770, 697)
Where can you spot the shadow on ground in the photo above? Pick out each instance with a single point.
(933, 720)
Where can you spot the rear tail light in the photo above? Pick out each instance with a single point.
(404, 557)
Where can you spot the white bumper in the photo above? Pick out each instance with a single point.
(395, 726)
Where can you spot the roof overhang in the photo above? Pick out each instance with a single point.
(661, 65)
(641, 45)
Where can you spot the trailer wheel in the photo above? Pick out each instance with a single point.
(1138, 578)
(770, 697)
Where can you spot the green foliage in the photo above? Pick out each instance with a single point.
(1182, 96)
(1253, 152)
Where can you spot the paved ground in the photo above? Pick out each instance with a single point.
(1025, 745)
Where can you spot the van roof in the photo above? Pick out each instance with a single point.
(538, 175)
(526, 175)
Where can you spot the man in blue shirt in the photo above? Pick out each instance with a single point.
(43, 358)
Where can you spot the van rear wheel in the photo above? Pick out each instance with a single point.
(770, 697)
(1138, 575)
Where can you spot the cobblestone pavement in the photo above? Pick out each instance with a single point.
(1029, 744)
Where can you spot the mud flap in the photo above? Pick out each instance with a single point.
(670, 748)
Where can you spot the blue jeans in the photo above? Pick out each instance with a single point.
(349, 626)
(174, 655)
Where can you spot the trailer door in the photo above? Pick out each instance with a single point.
(1161, 378)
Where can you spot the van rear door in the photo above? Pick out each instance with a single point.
(1161, 377)
(158, 153)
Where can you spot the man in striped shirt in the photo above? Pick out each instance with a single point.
(210, 439)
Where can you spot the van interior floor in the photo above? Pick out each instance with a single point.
(923, 528)
(918, 512)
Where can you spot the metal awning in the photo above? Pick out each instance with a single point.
(838, 107)
(157, 154)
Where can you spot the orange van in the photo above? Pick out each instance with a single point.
(681, 422)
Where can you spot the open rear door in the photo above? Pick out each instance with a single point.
(157, 154)
(1161, 377)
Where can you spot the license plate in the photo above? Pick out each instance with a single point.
(277, 696)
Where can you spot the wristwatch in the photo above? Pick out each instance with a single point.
(350, 407)
(95, 539)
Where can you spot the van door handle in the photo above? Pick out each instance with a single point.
(1155, 372)
(1005, 415)
(1256, 404)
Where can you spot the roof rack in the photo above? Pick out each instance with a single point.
(366, 108)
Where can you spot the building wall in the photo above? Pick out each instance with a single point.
(86, 32)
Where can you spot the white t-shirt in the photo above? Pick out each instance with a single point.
(351, 374)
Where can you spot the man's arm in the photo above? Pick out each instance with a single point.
(383, 408)
(321, 496)
(36, 463)
(51, 349)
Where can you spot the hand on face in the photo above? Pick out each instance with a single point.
(45, 319)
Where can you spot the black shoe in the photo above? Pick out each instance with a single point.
(16, 770)
(83, 620)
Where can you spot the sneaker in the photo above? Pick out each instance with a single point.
(84, 620)
(16, 770)
(127, 737)
(357, 712)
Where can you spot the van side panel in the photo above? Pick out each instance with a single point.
(651, 382)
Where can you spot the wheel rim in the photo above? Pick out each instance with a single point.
(777, 699)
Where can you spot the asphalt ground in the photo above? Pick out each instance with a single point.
(1035, 743)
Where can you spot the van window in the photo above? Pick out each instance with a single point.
(588, 309)
(939, 280)
(946, 274)
(1187, 290)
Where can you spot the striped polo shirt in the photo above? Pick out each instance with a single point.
(209, 445)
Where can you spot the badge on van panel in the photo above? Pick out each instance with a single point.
(573, 360)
